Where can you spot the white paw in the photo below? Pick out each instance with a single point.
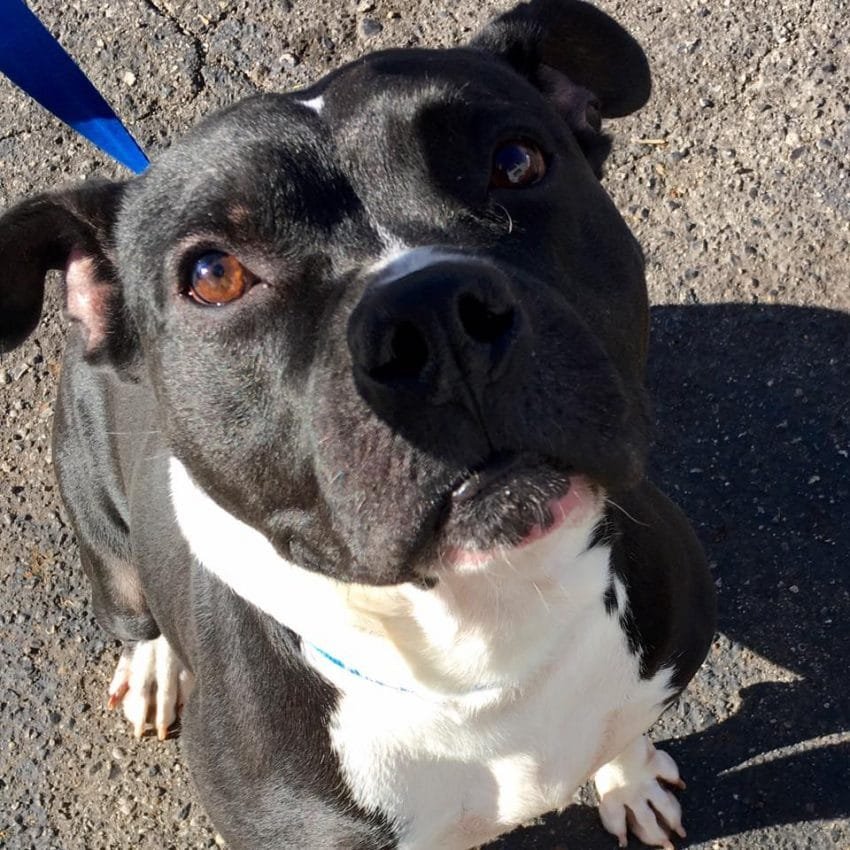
(152, 685)
(632, 796)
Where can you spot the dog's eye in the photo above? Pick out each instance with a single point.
(517, 164)
(218, 278)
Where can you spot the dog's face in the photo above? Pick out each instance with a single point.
(382, 318)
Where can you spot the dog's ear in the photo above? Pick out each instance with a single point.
(71, 231)
(583, 60)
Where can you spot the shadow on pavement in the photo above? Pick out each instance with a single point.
(753, 411)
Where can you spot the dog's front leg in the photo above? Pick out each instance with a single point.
(633, 794)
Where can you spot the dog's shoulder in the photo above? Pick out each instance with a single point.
(656, 554)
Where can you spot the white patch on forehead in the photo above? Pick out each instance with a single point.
(392, 244)
(316, 104)
(401, 262)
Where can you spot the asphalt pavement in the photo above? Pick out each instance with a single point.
(735, 180)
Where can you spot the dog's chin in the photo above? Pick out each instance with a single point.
(511, 504)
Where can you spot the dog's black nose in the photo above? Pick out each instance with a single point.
(441, 330)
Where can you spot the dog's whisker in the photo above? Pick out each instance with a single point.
(507, 216)
(622, 510)
(542, 596)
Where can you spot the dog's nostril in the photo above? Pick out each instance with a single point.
(481, 322)
(406, 357)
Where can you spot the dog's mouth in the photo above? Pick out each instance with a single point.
(511, 502)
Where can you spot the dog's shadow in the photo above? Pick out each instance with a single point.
(753, 438)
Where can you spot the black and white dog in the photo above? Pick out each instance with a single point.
(352, 430)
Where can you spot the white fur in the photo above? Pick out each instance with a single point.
(482, 702)
(633, 793)
(399, 259)
(150, 680)
(393, 245)
(316, 104)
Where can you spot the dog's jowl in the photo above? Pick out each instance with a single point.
(352, 429)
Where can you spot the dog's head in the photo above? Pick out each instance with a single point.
(386, 318)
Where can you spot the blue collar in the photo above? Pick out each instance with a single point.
(355, 672)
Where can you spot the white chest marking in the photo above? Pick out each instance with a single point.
(504, 687)
(455, 773)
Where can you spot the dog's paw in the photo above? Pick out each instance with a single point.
(633, 795)
(151, 685)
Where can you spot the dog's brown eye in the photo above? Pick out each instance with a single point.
(517, 164)
(219, 278)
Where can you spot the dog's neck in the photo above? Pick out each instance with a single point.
(485, 626)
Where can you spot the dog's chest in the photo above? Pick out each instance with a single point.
(452, 774)
(550, 689)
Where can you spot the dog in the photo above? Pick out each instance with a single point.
(352, 431)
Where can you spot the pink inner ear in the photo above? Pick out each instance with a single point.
(87, 297)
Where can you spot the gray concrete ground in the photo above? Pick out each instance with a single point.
(742, 201)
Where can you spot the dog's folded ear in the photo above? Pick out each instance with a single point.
(70, 231)
(583, 60)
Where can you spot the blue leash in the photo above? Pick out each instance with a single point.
(35, 62)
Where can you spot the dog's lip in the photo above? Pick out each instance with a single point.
(484, 477)
(578, 495)
(504, 478)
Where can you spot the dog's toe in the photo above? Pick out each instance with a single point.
(633, 798)
(151, 685)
